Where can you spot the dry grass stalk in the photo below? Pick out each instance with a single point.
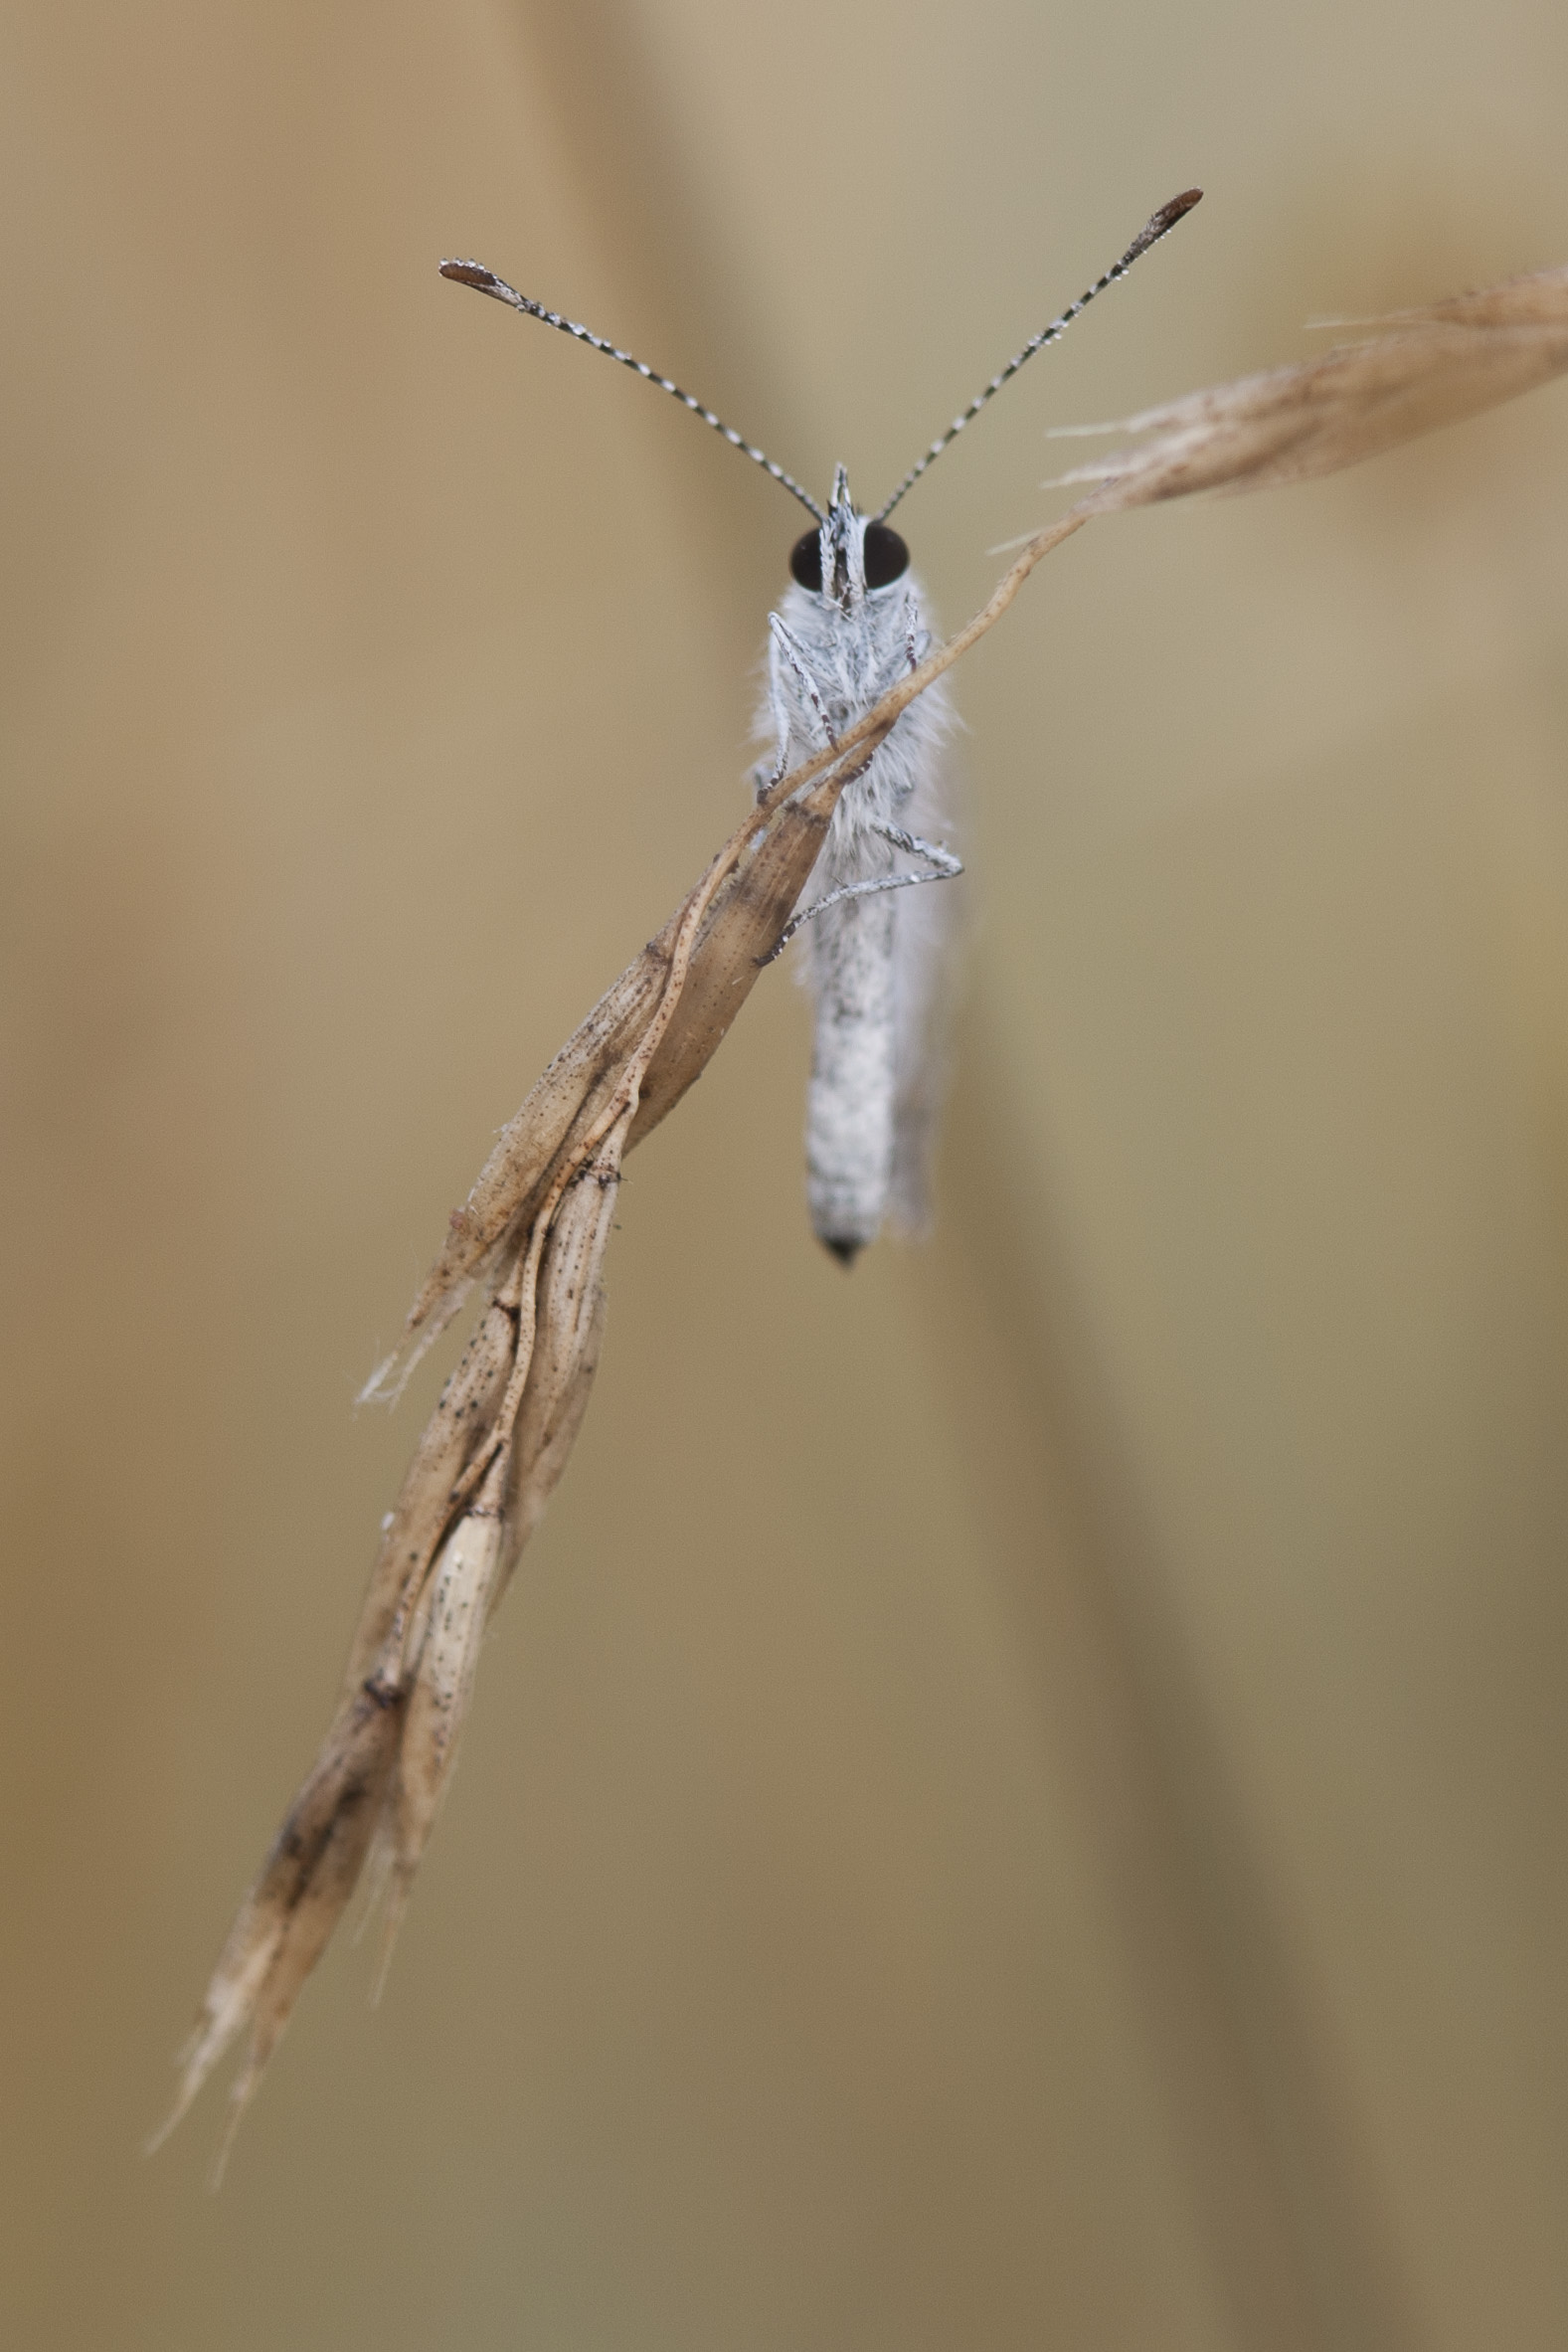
(1431, 367)
(534, 1228)
(532, 1233)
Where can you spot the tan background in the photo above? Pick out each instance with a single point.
(1018, 1798)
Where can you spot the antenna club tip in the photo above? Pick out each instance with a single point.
(1169, 214)
(1153, 229)
(472, 273)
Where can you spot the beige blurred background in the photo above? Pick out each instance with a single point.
(1018, 1797)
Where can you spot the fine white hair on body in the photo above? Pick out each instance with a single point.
(870, 957)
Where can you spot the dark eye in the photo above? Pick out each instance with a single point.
(805, 560)
(887, 557)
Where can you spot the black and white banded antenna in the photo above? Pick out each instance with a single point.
(1151, 233)
(485, 281)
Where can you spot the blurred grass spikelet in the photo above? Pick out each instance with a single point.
(1429, 367)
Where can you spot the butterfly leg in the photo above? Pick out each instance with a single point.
(787, 645)
(945, 867)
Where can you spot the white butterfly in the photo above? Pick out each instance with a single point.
(849, 628)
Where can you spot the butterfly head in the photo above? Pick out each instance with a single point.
(849, 558)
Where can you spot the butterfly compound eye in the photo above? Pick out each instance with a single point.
(805, 560)
(887, 557)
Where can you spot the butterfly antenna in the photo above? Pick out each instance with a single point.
(485, 281)
(1151, 233)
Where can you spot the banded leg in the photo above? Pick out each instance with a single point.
(793, 653)
(944, 868)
